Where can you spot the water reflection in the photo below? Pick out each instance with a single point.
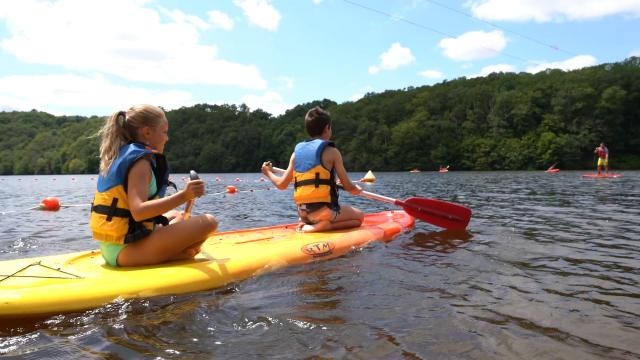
(320, 298)
(445, 241)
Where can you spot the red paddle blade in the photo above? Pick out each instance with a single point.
(437, 212)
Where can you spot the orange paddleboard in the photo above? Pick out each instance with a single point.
(78, 281)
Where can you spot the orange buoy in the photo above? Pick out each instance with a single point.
(50, 204)
(231, 189)
(238, 179)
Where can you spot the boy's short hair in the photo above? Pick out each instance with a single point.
(316, 120)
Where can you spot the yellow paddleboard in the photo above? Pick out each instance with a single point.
(79, 281)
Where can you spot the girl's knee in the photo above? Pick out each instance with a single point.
(211, 221)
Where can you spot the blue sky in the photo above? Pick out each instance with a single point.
(85, 57)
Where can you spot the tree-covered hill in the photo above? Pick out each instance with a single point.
(499, 122)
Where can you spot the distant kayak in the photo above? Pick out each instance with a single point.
(414, 171)
(443, 170)
(552, 170)
(601, 176)
(54, 284)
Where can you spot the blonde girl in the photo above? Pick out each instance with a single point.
(131, 218)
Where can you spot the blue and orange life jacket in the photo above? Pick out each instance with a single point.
(111, 221)
(313, 183)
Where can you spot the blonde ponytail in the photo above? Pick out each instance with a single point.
(121, 128)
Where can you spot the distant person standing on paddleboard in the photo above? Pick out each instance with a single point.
(313, 168)
(603, 157)
(131, 218)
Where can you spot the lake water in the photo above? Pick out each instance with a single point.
(549, 268)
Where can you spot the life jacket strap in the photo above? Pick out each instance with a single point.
(138, 231)
(315, 182)
(111, 210)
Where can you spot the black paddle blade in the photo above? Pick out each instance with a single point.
(437, 212)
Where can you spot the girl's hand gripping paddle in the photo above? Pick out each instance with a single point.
(187, 209)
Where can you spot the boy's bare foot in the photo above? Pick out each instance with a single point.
(321, 226)
(308, 228)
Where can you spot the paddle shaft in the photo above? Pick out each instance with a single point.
(386, 199)
(187, 209)
(277, 169)
(403, 204)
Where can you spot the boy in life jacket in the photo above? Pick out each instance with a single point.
(130, 216)
(313, 168)
(603, 157)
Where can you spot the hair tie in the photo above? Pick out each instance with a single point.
(124, 118)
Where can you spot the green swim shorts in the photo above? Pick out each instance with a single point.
(110, 252)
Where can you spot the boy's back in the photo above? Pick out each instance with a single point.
(314, 173)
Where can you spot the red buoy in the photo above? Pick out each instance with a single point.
(50, 204)
(231, 189)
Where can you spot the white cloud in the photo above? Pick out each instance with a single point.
(497, 68)
(635, 52)
(393, 58)
(260, 13)
(432, 74)
(181, 18)
(220, 20)
(270, 102)
(80, 94)
(474, 45)
(121, 38)
(574, 63)
(317, 1)
(551, 10)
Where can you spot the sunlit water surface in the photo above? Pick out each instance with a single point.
(549, 269)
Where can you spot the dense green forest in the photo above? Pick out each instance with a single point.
(503, 121)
